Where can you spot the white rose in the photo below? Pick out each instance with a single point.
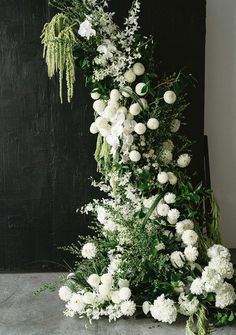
(140, 128)
(139, 69)
(169, 97)
(94, 280)
(153, 124)
(141, 89)
(135, 109)
(134, 156)
(124, 293)
(130, 76)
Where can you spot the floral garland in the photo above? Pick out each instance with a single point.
(156, 247)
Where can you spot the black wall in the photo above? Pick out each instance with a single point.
(46, 151)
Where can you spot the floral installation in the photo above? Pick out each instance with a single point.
(156, 249)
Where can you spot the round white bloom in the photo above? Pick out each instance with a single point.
(134, 156)
(130, 76)
(162, 177)
(100, 122)
(168, 145)
(197, 286)
(85, 29)
(139, 69)
(211, 279)
(94, 280)
(135, 109)
(104, 290)
(181, 226)
(126, 91)
(128, 308)
(166, 156)
(76, 303)
(222, 266)
(153, 124)
(173, 214)
(115, 297)
(95, 95)
(107, 279)
(164, 310)
(143, 102)
(189, 237)
(218, 250)
(162, 209)
(89, 298)
(125, 293)
(170, 198)
(175, 125)
(65, 293)
(187, 307)
(123, 283)
(141, 89)
(225, 296)
(191, 253)
(170, 97)
(89, 250)
(99, 106)
(140, 128)
(177, 259)
(115, 95)
(146, 307)
(93, 128)
(172, 178)
(183, 160)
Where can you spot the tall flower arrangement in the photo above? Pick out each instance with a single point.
(156, 247)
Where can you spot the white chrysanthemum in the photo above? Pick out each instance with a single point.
(225, 296)
(170, 198)
(162, 177)
(172, 178)
(107, 279)
(94, 280)
(223, 266)
(89, 298)
(140, 128)
(181, 226)
(134, 156)
(130, 76)
(197, 286)
(153, 124)
(189, 237)
(191, 253)
(141, 89)
(177, 259)
(173, 215)
(76, 303)
(123, 283)
(135, 108)
(183, 160)
(212, 279)
(99, 106)
(187, 307)
(218, 250)
(170, 97)
(164, 310)
(95, 95)
(115, 297)
(93, 128)
(65, 293)
(89, 250)
(115, 95)
(175, 125)
(128, 308)
(139, 69)
(125, 293)
(146, 307)
(85, 29)
(162, 209)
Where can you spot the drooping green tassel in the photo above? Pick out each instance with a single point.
(202, 325)
(213, 227)
(190, 326)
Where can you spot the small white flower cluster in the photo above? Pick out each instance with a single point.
(213, 277)
(104, 299)
(162, 309)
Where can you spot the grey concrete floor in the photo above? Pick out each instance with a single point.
(22, 313)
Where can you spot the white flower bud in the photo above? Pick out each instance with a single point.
(140, 128)
(93, 128)
(169, 97)
(153, 123)
(95, 95)
(139, 69)
(130, 76)
(141, 89)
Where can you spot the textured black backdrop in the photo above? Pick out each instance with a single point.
(46, 152)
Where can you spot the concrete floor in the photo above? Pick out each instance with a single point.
(22, 313)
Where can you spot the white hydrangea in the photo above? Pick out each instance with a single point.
(187, 307)
(128, 308)
(164, 310)
(222, 266)
(181, 226)
(85, 29)
(162, 177)
(218, 250)
(170, 198)
(105, 291)
(162, 209)
(168, 145)
(94, 280)
(191, 253)
(225, 296)
(89, 250)
(212, 279)
(189, 237)
(149, 201)
(65, 293)
(197, 286)
(177, 259)
(183, 160)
